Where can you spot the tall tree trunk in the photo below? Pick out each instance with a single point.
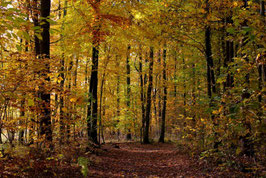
(261, 61)
(185, 91)
(210, 64)
(158, 92)
(193, 95)
(37, 52)
(101, 99)
(175, 75)
(141, 93)
(210, 72)
(162, 135)
(22, 111)
(229, 55)
(75, 87)
(100, 111)
(129, 136)
(62, 84)
(92, 115)
(45, 120)
(149, 93)
(118, 97)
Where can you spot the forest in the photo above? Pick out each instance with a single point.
(132, 88)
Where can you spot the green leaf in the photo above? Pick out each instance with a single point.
(19, 48)
(30, 102)
(83, 162)
(230, 30)
(26, 36)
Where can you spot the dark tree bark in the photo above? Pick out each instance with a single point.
(210, 72)
(193, 95)
(260, 61)
(92, 115)
(229, 47)
(93, 101)
(75, 87)
(210, 65)
(61, 104)
(118, 96)
(149, 93)
(185, 92)
(129, 136)
(45, 120)
(141, 93)
(175, 75)
(162, 135)
(22, 115)
(159, 91)
(62, 84)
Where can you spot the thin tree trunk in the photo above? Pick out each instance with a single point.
(37, 52)
(118, 97)
(101, 99)
(260, 62)
(22, 115)
(162, 136)
(159, 92)
(62, 84)
(175, 76)
(141, 93)
(185, 91)
(75, 87)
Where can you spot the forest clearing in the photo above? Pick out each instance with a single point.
(132, 88)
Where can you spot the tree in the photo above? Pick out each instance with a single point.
(129, 137)
(45, 123)
(162, 135)
(149, 100)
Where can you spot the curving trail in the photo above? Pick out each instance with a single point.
(137, 160)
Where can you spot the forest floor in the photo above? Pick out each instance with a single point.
(114, 160)
(152, 160)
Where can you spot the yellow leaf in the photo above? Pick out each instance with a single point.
(235, 4)
(215, 112)
(238, 151)
(73, 100)
(30, 102)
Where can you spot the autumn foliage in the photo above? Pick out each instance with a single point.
(77, 74)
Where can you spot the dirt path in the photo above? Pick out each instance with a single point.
(137, 160)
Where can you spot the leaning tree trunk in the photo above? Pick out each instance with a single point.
(148, 106)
